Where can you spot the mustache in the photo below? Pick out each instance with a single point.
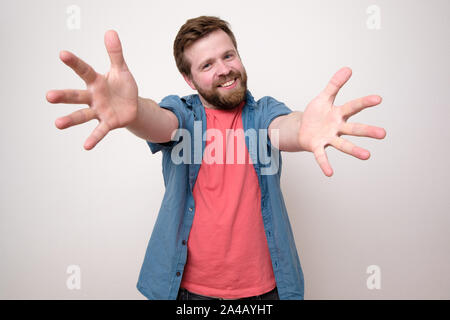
(231, 76)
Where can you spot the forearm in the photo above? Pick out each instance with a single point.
(288, 127)
(152, 122)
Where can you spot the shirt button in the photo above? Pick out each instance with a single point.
(178, 274)
(183, 242)
(190, 209)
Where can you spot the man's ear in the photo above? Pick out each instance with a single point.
(189, 81)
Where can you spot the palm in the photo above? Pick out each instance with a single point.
(112, 98)
(115, 98)
(323, 123)
(319, 121)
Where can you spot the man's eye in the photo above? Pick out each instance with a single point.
(206, 66)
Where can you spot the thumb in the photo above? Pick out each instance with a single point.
(114, 49)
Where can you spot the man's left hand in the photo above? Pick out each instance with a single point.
(323, 123)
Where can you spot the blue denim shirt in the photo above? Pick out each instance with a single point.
(166, 254)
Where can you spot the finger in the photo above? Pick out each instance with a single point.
(114, 49)
(81, 68)
(336, 83)
(322, 160)
(349, 148)
(355, 106)
(69, 96)
(362, 130)
(96, 136)
(75, 118)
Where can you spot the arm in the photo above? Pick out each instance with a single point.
(113, 100)
(152, 122)
(288, 126)
(322, 123)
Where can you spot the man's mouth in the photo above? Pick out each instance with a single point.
(228, 84)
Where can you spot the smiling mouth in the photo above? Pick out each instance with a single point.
(227, 84)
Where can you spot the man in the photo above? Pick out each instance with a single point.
(222, 231)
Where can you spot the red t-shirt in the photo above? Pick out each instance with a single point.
(228, 255)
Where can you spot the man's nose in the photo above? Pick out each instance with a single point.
(223, 69)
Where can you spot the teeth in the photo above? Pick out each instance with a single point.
(227, 84)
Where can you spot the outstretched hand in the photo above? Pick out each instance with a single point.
(112, 98)
(323, 123)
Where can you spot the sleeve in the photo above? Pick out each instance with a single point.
(272, 108)
(177, 105)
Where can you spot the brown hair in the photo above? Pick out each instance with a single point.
(193, 30)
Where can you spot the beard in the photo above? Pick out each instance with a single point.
(222, 98)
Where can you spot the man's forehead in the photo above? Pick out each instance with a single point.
(215, 43)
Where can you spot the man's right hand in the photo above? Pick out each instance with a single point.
(112, 98)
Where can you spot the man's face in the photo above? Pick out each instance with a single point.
(217, 72)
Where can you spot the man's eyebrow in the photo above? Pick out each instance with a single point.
(211, 59)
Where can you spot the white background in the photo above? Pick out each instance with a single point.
(61, 205)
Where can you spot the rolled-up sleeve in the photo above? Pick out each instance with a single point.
(272, 108)
(178, 106)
